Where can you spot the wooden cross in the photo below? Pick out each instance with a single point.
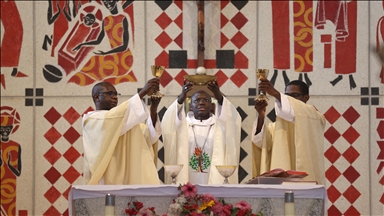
(200, 33)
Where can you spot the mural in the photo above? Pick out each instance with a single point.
(281, 39)
(343, 14)
(12, 39)
(77, 56)
(303, 39)
(380, 44)
(380, 142)
(10, 159)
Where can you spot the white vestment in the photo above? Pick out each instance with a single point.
(118, 148)
(218, 136)
(294, 142)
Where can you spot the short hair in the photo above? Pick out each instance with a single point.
(95, 88)
(302, 85)
(202, 91)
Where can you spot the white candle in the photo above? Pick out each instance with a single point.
(110, 205)
(289, 207)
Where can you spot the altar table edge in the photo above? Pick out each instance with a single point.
(230, 190)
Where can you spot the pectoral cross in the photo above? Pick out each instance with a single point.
(200, 33)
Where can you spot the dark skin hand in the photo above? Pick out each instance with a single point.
(266, 86)
(150, 86)
(153, 109)
(260, 107)
(188, 86)
(212, 86)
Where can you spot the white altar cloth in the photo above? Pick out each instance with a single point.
(230, 190)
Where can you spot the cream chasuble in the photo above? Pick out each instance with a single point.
(178, 139)
(118, 159)
(293, 146)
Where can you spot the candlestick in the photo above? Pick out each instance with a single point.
(289, 203)
(110, 205)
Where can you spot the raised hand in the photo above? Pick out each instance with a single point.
(188, 86)
(153, 109)
(266, 86)
(150, 86)
(155, 101)
(214, 88)
(261, 106)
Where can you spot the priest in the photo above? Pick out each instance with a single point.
(296, 140)
(118, 148)
(202, 136)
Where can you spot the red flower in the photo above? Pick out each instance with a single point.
(138, 205)
(217, 208)
(191, 207)
(208, 197)
(243, 205)
(241, 212)
(227, 209)
(145, 212)
(130, 211)
(189, 190)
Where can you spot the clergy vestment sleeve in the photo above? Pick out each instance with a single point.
(137, 112)
(257, 139)
(155, 131)
(231, 119)
(283, 109)
(180, 115)
(175, 140)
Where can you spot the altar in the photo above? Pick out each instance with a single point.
(269, 199)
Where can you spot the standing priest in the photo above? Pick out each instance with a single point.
(203, 137)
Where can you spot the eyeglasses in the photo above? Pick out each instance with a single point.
(110, 93)
(294, 95)
(198, 100)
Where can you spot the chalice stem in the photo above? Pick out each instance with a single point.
(226, 181)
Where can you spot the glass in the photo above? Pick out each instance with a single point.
(110, 93)
(157, 71)
(173, 171)
(226, 171)
(198, 100)
(262, 73)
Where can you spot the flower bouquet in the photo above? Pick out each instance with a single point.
(190, 203)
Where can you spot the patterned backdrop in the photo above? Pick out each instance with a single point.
(46, 80)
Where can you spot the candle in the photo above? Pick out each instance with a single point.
(289, 203)
(109, 205)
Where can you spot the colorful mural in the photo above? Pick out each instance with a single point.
(77, 57)
(10, 159)
(12, 39)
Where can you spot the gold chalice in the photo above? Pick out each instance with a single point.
(226, 171)
(262, 73)
(157, 71)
